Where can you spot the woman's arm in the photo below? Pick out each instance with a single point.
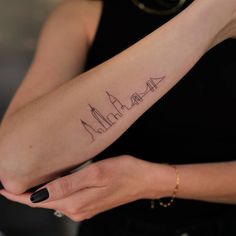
(212, 182)
(61, 51)
(81, 118)
(107, 184)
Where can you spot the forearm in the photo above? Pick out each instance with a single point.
(211, 182)
(61, 129)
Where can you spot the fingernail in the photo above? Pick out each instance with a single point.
(1, 186)
(40, 196)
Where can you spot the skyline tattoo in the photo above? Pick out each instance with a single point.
(105, 122)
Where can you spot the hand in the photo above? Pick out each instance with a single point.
(102, 186)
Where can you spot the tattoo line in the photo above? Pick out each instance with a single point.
(107, 121)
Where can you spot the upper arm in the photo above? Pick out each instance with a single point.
(60, 54)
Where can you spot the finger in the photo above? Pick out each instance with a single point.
(89, 202)
(80, 202)
(67, 185)
(25, 199)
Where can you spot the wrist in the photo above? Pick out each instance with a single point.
(162, 181)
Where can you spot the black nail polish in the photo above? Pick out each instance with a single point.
(40, 196)
(1, 186)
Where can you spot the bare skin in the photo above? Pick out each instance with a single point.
(40, 116)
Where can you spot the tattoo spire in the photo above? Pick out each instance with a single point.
(107, 121)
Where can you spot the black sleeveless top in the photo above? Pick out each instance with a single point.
(193, 123)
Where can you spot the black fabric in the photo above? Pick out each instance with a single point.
(117, 223)
(193, 123)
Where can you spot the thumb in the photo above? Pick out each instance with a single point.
(64, 186)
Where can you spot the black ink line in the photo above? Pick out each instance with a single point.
(100, 118)
(107, 121)
(91, 130)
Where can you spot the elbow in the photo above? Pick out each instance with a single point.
(13, 187)
(15, 164)
(14, 177)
